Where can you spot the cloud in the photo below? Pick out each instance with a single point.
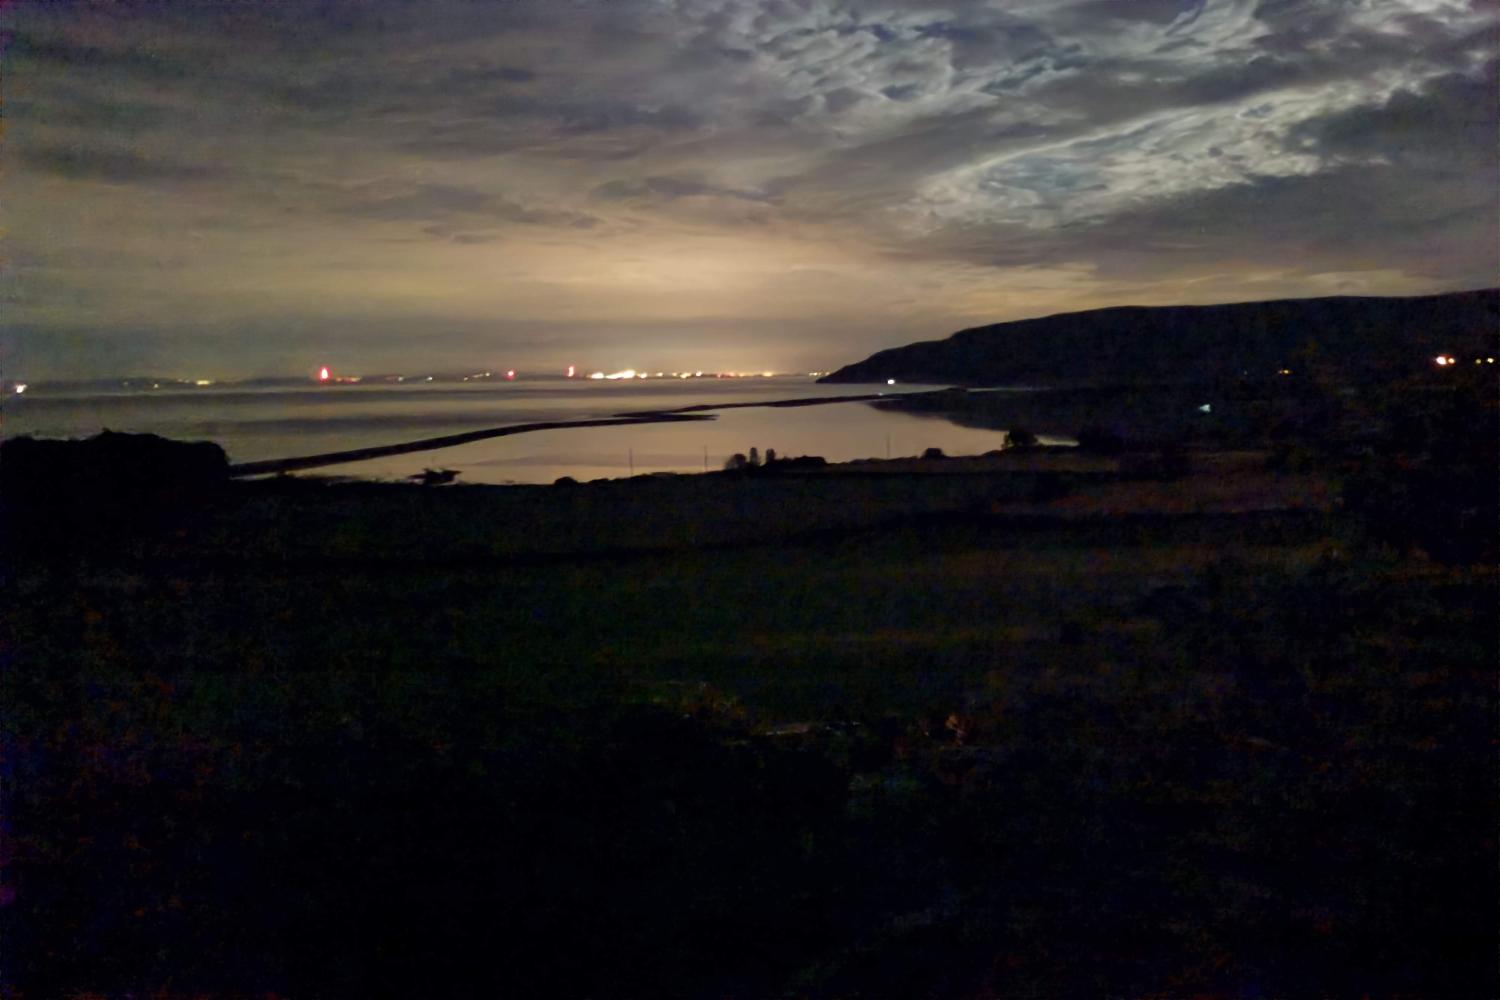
(448, 203)
(601, 162)
(1446, 124)
(669, 189)
(110, 166)
(94, 60)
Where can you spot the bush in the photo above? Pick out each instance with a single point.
(1020, 437)
(78, 493)
(801, 462)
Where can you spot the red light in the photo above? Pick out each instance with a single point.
(511, 374)
(323, 374)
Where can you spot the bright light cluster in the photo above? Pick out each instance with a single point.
(629, 373)
(326, 375)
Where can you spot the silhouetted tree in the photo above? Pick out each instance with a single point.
(1019, 437)
(933, 453)
(770, 455)
(434, 477)
(736, 462)
(754, 457)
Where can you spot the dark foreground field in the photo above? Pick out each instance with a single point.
(950, 748)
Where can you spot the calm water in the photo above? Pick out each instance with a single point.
(263, 423)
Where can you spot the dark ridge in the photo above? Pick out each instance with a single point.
(1357, 337)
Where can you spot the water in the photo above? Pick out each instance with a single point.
(267, 422)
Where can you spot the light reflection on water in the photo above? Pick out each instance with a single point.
(257, 424)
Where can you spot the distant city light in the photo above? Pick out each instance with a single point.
(1284, 371)
(890, 381)
(1444, 360)
(323, 374)
(596, 374)
(571, 371)
(20, 388)
(510, 374)
(203, 381)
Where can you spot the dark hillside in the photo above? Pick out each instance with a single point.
(1350, 336)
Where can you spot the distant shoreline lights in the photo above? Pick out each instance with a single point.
(631, 373)
(326, 376)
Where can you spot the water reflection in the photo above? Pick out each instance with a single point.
(838, 432)
(259, 424)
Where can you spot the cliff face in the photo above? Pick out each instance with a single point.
(1357, 336)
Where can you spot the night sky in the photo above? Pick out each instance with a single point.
(232, 189)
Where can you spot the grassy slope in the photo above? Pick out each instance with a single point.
(1151, 755)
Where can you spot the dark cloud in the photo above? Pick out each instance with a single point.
(426, 201)
(902, 92)
(669, 188)
(1448, 124)
(111, 166)
(436, 202)
(497, 124)
(91, 113)
(94, 60)
(1352, 218)
(480, 75)
(1158, 12)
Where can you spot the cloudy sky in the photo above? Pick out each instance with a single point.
(235, 188)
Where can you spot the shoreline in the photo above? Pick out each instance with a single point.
(681, 414)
